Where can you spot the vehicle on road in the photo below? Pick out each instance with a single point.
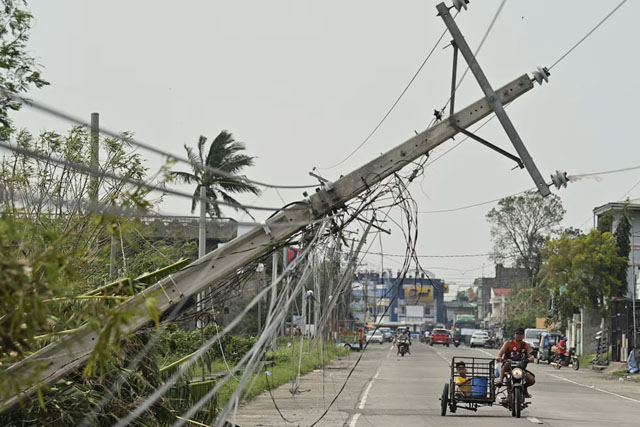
(403, 347)
(512, 396)
(493, 342)
(478, 339)
(470, 387)
(570, 360)
(532, 337)
(548, 341)
(350, 334)
(424, 337)
(456, 341)
(375, 336)
(439, 336)
(387, 335)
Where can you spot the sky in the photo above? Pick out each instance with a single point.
(303, 83)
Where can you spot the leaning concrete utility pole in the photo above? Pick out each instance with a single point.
(64, 356)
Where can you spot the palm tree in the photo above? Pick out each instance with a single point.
(224, 154)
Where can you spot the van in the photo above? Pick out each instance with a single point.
(532, 337)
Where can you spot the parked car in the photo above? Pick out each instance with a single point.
(479, 338)
(440, 336)
(375, 336)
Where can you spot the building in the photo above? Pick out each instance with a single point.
(633, 207)
(505, 277)
(498, 303)
(394, 301)
(621, 321)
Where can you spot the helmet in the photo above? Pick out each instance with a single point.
(564, 337)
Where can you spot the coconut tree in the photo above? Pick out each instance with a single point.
(224, 154)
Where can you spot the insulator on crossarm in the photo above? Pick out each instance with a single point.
(459, 4)
(560, 179)
(541, 74)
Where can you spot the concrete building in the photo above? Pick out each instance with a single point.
(505, 277)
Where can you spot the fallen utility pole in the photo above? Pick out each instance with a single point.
(62, 357)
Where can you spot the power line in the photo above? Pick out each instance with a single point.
(141, 184)
(393, 106)
(432, 256)
(44, 108)
(588, 34)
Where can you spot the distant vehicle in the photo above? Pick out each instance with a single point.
(386, 334)
(532, 337)
(440, 336)
(375, 336)
(350, 334)
(479, 338)
(424, 337)
(415, 335)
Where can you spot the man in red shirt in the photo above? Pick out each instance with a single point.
(562, 349)
(514, 350)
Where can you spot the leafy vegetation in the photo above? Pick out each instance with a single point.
(225, 155)
(18, 70)
(519, 226)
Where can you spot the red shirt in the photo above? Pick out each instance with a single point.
(562, 344)
(514, 351)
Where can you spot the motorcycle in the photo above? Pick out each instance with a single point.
(569, 360)
(492, 342)
(456, 341)
(512, 396)
(403, 347)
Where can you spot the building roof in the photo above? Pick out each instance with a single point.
(501, 292)
(633, 205)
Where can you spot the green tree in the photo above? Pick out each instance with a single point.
(581, 272)
(519, 225)
(224, 154)
(523, 306)
(623, 240)
(18, 70)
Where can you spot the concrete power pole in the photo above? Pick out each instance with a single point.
(72, 351)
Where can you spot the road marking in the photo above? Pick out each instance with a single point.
(535, 420)
(363, 399)
(592, 387)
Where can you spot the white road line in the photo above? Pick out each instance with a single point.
(592, 387)
(363, 399)
(535, 420)
(354, 420)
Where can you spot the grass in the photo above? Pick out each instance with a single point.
(283, 369)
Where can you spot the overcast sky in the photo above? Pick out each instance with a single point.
(303, 83)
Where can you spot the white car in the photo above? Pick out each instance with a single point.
(479, 338)
(375, 336)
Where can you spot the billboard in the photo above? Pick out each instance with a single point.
(415, 311)
(418, 293)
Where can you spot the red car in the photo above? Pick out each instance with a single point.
(439, 336)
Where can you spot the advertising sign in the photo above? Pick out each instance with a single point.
(418, 293)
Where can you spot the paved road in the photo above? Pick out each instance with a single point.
(386, 390)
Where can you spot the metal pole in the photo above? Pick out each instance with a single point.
(202, 251)
(274, 291)
(633, 290)
(493, 99)
(95, 153)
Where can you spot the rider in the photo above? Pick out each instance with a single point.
(562, 349)
(404, 336)
(515, 350)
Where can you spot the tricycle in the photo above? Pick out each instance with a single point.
(546, 350)
(472, 385)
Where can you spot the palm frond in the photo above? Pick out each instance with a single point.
(184, 177)
(201, 142)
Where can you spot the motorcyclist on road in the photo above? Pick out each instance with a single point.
(515, 350)
(404, 336)
(562, 349)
